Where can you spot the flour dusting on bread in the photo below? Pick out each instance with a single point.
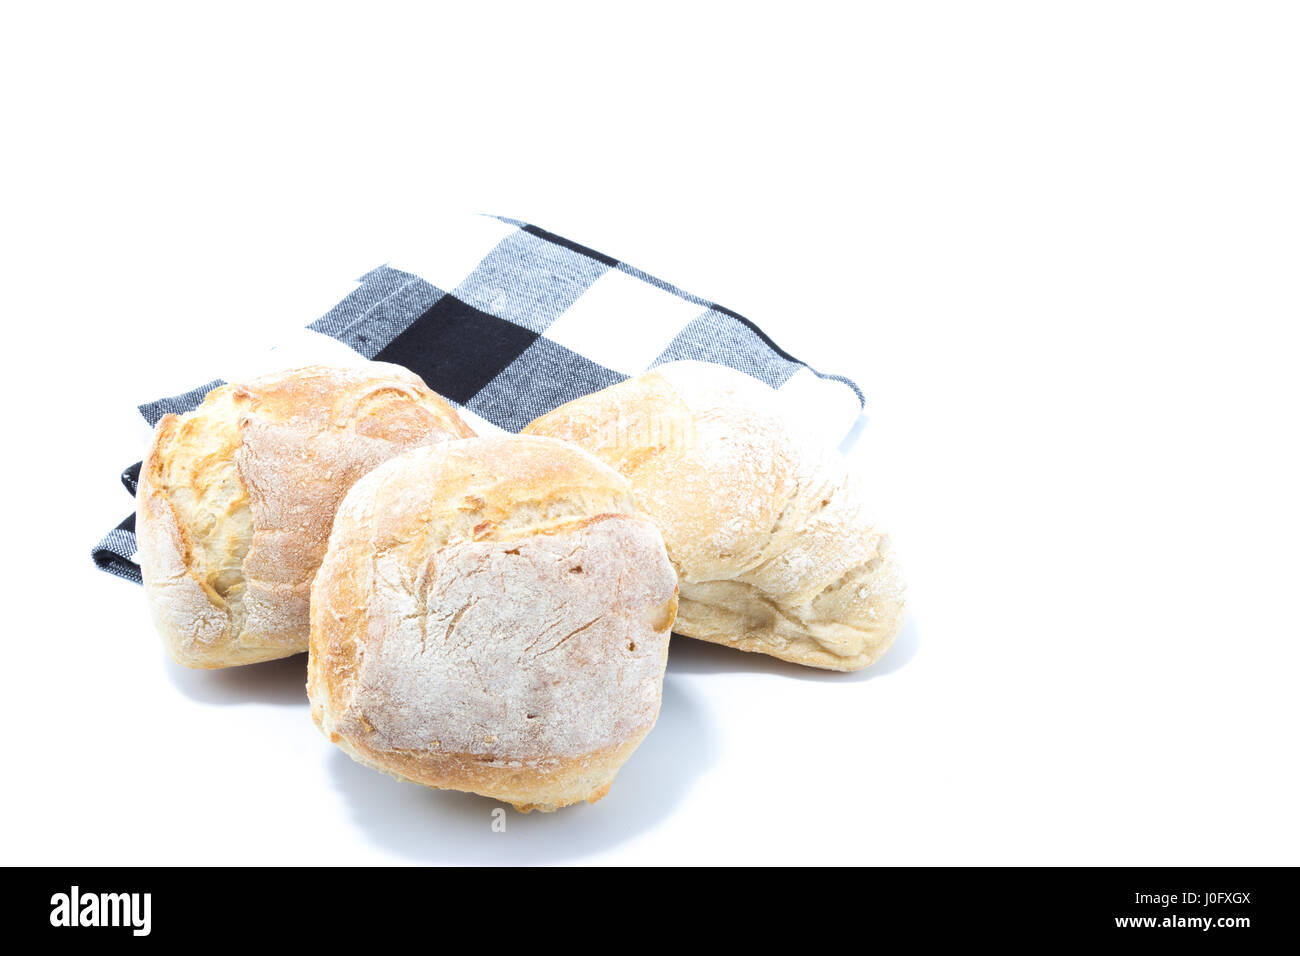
(237, 498)
(770, 535)
(492, 615)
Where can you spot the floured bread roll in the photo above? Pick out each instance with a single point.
(237, 497)
(769, 536)
(492, 615)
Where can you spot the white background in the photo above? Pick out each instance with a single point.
(1057, 244)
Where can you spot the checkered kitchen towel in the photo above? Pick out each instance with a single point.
(531, 321)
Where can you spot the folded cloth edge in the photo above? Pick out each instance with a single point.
(397, 316)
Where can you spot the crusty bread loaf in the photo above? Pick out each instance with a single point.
(237, 497)
(769, 536)
(492, 615)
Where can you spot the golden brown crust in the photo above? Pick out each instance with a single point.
(492, 615)
(769, 536)
(544, 785)
(236, 500)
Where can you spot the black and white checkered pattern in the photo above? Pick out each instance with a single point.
(509, 321)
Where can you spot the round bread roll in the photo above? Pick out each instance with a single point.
(236, 500)
(769, 536)
(493, 616)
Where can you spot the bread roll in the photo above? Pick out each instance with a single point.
(769, 536)
(236, 499)
(492, 615)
